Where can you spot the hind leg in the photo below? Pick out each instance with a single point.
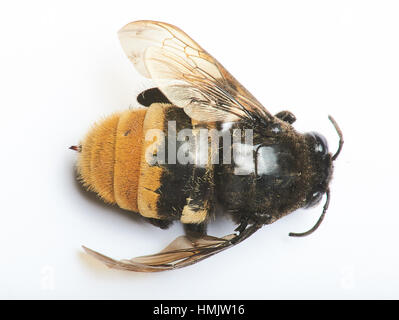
(163, 224)
(195, 230)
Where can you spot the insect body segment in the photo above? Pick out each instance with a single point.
(109, 161)
(178, 184)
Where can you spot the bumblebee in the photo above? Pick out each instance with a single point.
(121, 159)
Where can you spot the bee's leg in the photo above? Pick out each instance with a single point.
(243, 224)
(163, 224)
(286, 116)
(263, 218)
(253, 218)
(195, 230)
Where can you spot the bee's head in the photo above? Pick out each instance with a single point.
(321, 163)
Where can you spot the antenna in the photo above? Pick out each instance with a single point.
(318, 223)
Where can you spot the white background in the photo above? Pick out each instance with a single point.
(62, 68)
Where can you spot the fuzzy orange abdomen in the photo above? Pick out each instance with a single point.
(113, 163)
(109, 162)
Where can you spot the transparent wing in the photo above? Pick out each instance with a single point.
(187, 74)
(181, 252)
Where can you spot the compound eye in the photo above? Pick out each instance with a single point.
(314, 199)
(321, 146)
